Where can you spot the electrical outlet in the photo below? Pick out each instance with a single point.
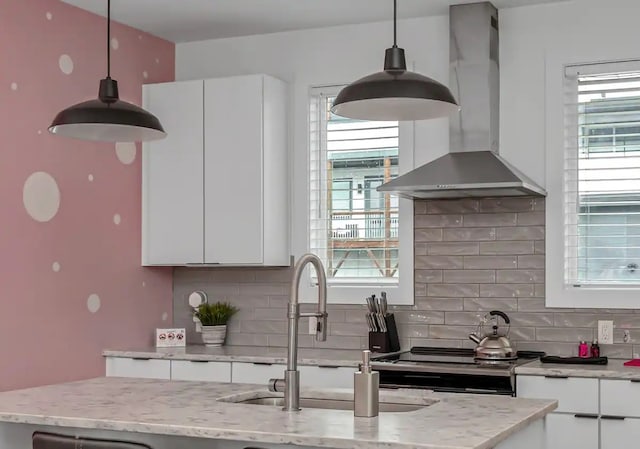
(605, 332)
(313, 325)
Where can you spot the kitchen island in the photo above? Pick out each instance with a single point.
(173, 414)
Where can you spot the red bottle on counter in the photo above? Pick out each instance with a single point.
(583, 350)
(595, 349)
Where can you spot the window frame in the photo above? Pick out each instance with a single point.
(398, 293)
(557, 292)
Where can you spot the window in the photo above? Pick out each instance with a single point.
(602, 177)
(353, 227)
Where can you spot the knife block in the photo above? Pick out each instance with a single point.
(385, 341)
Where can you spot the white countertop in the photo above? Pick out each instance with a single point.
(251, 354)
(615, 369)
(190, 409)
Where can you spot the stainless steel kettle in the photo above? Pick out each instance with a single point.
(494, 346)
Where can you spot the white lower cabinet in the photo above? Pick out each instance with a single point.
(574, 395)
(618, 432)
(571, 431)
(200, 370)
(143, 368)
(310, 376)
(255, 373)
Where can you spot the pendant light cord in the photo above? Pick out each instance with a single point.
(395, 23)
(108, 38)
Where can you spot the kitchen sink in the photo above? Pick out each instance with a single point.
(386, 406)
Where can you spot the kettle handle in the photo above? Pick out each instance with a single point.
(502, 315)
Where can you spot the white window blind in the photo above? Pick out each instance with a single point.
(353, 227)
(602, 176)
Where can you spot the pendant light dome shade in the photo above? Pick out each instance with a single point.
(107, 118)
(395, 93)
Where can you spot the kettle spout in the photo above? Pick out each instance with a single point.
(474, 338)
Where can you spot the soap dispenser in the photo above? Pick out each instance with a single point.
(366, 389)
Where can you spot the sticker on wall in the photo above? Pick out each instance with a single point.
(55, 266)
(145, 75)
(66, 64)
(114, 43)
(49, 15)
(41, 196)
(126, 152)
(90, 178)
(117, 219)
(93, 303)
(14, 86)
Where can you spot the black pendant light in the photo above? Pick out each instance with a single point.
(107, 118)
(395, 93)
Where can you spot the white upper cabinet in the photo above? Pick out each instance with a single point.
(230, 202)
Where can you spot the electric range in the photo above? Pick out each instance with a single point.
(453, 370)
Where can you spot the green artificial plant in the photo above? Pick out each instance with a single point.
(216, 314)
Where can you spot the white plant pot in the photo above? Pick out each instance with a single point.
(214, 335)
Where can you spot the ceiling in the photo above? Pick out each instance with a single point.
(193, 20)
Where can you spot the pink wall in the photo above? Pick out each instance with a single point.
(56, 257)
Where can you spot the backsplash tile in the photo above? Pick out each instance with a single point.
(471, 256)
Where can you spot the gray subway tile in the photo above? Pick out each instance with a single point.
(436, 342)
(465, 205)
(426, 276)
(553, 348)
(519, 276)
(273, 275)
(419, 207)
(438, 262)
(420, 289)
(539, 204)
(506, 290)
(452, 249)
(489, 262)
(524, 319)
(487, 304)
(266, 289)
(281, 341)
(564, 334)
(507, 205)
(531, 261)
(420, 249)
(530, 218)
(269, 314)
(427, 235)
(463, 318)
(520, 233)
(468, 234)
(420, 317)
(264, 327)
(450, 332)
(452, 290)
(539, 247)
(489, 220)
(413, 330)
(506, 248)
(439, 304)
(522, 333)
(437, 221)
(347, 329)
(342, 342)
(574, 319)
(469, 276)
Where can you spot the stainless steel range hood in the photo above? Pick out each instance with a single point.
(473, 167)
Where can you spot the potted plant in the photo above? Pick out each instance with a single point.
(214, 318)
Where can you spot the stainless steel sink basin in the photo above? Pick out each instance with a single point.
(330, 404)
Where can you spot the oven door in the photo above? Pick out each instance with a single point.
(447, 382)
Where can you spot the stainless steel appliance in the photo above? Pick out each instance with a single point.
(493, 345)
(452, 370)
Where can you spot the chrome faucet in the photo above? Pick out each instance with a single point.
(291, 382)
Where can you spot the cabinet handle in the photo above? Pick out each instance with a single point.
(556, 377)
(262, 363)
(141, 358)
(328, 366)
(634, 381)
(585, 415)
(616, 418)
(199, 361)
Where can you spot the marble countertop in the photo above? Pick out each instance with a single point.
(315, 357)
(615, 369)
(190, 409)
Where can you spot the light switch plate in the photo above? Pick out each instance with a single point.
(605, 332)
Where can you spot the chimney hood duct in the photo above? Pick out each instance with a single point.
(473, 167)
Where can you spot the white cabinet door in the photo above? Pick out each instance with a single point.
(172, 176)
(326, 377)
(574, 394)
(143, 368)
(620, 398)
(567, 431)
(255, 373)
(233, 165)
(200, 370)
(616, 433)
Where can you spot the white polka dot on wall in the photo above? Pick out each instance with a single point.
(55, 266)
(144, 284)
(66, 64)
(90, 178)
(145, 75)
(93, 303)
(39, 131)
(14, 86)
(157, 60)
(117, 219)
(126, 152)
(165, 315)
(41, 196)
(114, 43)
(140, 36)
(49, 15)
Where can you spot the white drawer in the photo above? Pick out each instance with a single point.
(255, 373)
(618, 433)
(620, 398)
(574, 394)
(571, 431)
(134, 367)
(326, 377)
(201, 371)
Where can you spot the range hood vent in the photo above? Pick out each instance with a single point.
(473, 167)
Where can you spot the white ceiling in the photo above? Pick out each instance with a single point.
(193, 20)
